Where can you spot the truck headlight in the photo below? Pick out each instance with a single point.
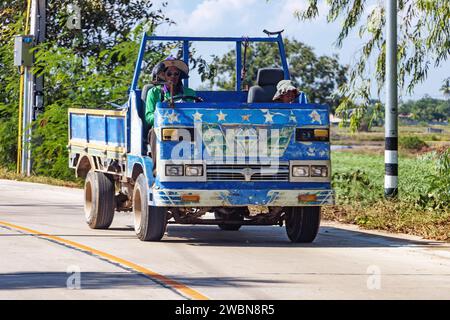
(194, 170)
(319, 171)
(311, 134)
(300, 171)
(177, 134)
(174, 170)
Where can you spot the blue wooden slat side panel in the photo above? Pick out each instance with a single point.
(96, 129)
(77, 127)
(116, 131)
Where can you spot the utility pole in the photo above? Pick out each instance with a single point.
(391, 110)
(33, 86)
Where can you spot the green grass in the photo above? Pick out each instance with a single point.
(412, 171)
(358, 180)
(9, 175)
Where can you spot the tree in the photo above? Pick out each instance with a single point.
(104, 24)
(427, 109)
(79, 71)
(445, 89)
(423, 36)
(319, 77)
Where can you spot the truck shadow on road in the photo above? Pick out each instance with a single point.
(273, 236)
(108, 280)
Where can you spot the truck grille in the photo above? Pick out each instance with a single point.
(247, 172)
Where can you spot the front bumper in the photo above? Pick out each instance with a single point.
(242, 197)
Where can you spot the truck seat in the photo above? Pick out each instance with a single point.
(266, 87)
(145, 91)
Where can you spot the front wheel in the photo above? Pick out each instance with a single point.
(302, 223)
(149, 222)
(98, 200)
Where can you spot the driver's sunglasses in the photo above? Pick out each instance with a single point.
(170, 74)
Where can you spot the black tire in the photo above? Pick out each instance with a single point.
(99, 202)
(149, 222)
(237, 215)
(302, 223)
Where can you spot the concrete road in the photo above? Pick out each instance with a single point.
(48, 252)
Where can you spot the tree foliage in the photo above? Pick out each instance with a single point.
(318, 76)
(445, 88)
(86, 68)
(427, 109)
(9, 92)
(424, 30)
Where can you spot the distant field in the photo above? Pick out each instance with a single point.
(343, 136)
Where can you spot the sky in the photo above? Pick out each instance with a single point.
(250, 17)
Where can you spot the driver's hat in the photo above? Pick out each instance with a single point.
(173, 62)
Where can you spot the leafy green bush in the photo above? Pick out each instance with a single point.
(353, 186)
(360, 177)
(80, 82)
(437, 195)
(412, 143)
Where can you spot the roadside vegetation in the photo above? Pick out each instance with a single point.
(10, 175)
(423, 205)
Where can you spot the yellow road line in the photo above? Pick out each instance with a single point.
(191, 293)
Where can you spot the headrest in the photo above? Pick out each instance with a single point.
(269, 76)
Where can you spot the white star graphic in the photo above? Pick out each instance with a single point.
(315, 116)
(160, 117)
(268, 116)
(173, 117)
(292, 117)
(311, 152)
(221, 116)
(197, 116)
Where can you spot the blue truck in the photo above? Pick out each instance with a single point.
(236, 158)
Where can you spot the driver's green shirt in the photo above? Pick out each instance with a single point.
(153, 97)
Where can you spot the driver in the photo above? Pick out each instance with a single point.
(171, 71)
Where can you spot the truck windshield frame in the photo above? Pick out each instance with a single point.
(186, 40)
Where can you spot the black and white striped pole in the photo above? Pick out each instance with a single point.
(391, 111)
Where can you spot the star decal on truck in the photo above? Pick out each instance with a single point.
(173, 117)
(197, 116)
(315, 117)
(221, 116)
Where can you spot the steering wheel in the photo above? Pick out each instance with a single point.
(196, 99)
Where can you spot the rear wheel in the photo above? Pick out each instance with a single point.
(98, 200)
(302, 223)
(236, 215)
(149, 222)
